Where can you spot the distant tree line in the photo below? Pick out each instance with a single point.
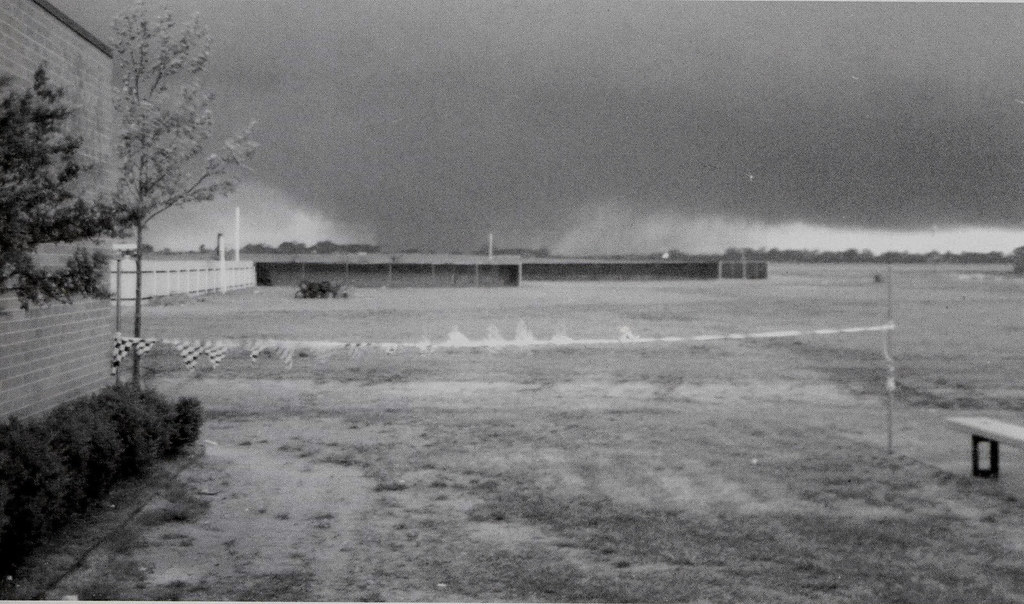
(854, 255)
(518, 251)
(321, 247)
(733, 253)
(780, 255)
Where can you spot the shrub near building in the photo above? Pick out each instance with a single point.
(57, 466)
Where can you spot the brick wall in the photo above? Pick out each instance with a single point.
(33, 32)
(51, 355)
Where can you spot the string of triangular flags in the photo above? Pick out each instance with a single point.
(192, 350)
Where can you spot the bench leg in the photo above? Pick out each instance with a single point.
(993, 457)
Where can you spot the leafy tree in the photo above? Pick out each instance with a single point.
(257, 248)
(325, 247)
(292, 247)
(39, 200)
(166, 124)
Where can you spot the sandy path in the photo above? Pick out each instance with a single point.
(272, 515)
(279, 525)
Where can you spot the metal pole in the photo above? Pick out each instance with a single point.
(890, 382)
(223, 267)
(117, 316)
(137, 322)
(238, 233)
(117, 306)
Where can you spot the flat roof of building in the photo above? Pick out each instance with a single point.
(465, 259)
(377, 258)
(74, 26)
(591, 260)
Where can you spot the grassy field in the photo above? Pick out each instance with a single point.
(720, 471)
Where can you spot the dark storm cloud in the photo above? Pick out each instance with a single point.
(437, 122)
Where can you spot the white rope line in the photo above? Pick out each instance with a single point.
(456, 340)
(627, 338)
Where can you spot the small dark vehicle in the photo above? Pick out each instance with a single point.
(320, 289)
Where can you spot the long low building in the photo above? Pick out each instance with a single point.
(456, 270)
(639, 269)
(388, 270)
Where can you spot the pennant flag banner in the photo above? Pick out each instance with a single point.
(124, 345)
(144, 345)
(216, 352)
(255, 349)
(284, 352)
(626, 335)
(191, 350)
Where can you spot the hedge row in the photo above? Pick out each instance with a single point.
(55, 467)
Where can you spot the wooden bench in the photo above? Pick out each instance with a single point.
(991, 431)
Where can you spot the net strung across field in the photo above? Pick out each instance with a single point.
(191, 351)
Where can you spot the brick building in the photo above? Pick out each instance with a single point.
(32, 33)
(50, 355)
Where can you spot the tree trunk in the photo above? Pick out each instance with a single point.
(138, 302)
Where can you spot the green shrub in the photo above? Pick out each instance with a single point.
(141, 421)
(89, 448)
(61, 464)
(187, 422)
(157, 420)
(37, 482)
(5, 496)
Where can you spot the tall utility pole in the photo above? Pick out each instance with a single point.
(223, 266)
(238, 233)
(890, 381)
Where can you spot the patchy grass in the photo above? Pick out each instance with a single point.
(684, 515)
(391, 485)
(346, 458)
(290, 586)
(180, 504)
(174, 591)
(729, 471)
(110, 583)
(126, 540)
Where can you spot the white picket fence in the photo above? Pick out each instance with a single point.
(169, 277)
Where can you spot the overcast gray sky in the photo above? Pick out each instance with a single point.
(615, 126)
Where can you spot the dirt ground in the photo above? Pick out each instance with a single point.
(737, 471)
